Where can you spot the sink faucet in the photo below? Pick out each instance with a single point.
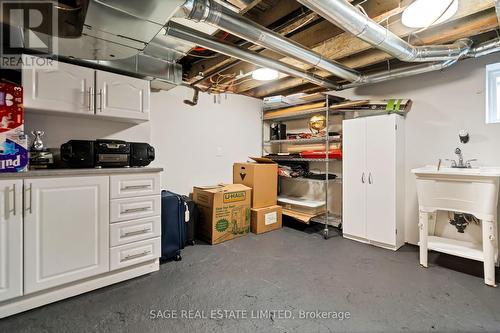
(460, 164)
(458, 152)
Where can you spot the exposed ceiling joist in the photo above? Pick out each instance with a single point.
(467, 27)
(346, 45)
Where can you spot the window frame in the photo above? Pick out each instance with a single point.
(492, 93)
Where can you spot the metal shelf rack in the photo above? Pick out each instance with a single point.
(328, 218)
(309, 140)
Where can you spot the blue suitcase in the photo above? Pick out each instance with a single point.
(172, 225)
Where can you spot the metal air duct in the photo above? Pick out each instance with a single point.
(211, 12)
(480, 50)
(346, 16)
(209, 42)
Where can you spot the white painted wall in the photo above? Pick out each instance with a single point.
(187, 139)
(198, 145)
(59, 129)
(443, 103)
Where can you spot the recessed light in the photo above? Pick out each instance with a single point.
(265, 74)
(425, 13)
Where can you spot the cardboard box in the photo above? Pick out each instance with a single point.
(224, 212)
(262, 178)
(266, 219)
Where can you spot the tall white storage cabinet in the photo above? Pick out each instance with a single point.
(11, 239)
(373, 180)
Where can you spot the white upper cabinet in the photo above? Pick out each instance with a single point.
(122, 96)
(78, 90)
(66, 230)
(11, 239)
(64, 88)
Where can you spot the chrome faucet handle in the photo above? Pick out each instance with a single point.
(467, 163)
(453, 162)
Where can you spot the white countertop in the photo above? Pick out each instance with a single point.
(76, 172)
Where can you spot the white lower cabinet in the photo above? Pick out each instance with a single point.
(66, 230)
(11, 239)
(122, 233)
(134, 253)
(57, 239)
(134, 208)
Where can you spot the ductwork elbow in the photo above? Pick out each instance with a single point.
(202, 10)
(430, 53)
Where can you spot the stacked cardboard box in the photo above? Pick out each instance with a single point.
(224, 212)
(263, 179)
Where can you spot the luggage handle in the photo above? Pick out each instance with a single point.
(186, 213)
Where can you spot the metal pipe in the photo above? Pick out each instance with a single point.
(211, 12)
(209, 42)
(349, 18)
(497, 9)
(480, 50)
(485, 48)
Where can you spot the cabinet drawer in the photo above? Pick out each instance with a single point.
(126, 186)
(134, 253)
(135, 208)
(132, 231)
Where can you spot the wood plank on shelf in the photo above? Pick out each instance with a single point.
(334, 138)
(293, 110)
(299, 216)
(306, 109)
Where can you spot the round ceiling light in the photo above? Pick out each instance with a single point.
(425, 13)
(265, 74)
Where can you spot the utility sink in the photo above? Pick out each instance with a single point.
(473, 191)
(468, 190)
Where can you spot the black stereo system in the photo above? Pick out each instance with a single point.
(106, 154)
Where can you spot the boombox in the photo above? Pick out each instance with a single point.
(106, 154)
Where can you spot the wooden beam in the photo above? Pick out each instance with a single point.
(471, 26)
(207, 66)
(346, 44)
(315, 36)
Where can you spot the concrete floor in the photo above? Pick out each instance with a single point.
(288, 270)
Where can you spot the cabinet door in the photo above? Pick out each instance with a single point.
(66, 230)
(355, 177)
(65, 88)
(381, 188)
(122, 96)
(11, 239)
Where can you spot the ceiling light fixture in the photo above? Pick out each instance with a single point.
(265, 74)
(426, 13)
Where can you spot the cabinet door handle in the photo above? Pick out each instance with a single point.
(363, 178)
(134, 233)
(135, 187)
(30, 198)
(135, 210)
(91, 94)
(14, 208)
(370, 178)
(134, 256)
(100, 100)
